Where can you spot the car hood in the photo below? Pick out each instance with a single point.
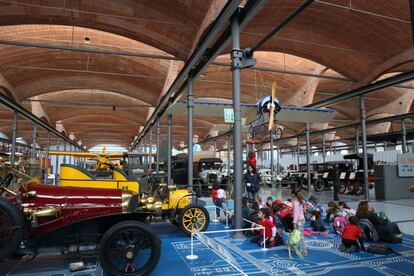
(69, 196)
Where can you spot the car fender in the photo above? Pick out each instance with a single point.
(85, 231)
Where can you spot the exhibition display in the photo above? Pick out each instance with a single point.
(220, 137)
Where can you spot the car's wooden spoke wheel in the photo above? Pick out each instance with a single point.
(129, 248)
(6, 229)
(194, 217)
(11, 228)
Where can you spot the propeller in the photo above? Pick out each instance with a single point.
(272, 107)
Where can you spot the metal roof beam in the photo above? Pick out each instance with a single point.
(372, 87)
(369, 122)
(203, 56)
(29, 116)
(85, 50)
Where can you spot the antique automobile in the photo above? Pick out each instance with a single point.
(353, 182)
(210, 172)
(169, 202)
(266, 176)
(207, 171)
(321, 174)
(103, 163)
(150, 195)
(37, 218)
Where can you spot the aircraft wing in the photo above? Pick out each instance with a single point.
(74, 153)
(115, 156)
(205, 108)
(305, 114)
(249, 111)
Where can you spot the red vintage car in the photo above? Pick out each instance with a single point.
(74, 220)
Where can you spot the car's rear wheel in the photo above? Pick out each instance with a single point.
(193, 217)
(11, 228)
(343, 187)
(319, 185)
(359, 189)
(304, 184)
(129, 248)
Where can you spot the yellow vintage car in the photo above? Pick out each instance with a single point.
(166, 202)
(161, 200)
(76, 176)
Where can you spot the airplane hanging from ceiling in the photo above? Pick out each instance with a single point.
(255, 114)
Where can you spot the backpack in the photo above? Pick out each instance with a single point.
(287, 212)
(339, 223)
(294, 237)
(369, 231)
(293, 242)
(309, 211)
(380, 249)
(383, 216)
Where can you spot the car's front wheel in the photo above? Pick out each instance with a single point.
(129, 248)
(11, 228)
(193, 217)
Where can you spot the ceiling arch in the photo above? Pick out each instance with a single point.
(328, 38)
(70, 81)
(154, 23)
(333, 35)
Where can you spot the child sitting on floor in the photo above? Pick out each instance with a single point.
(246, 211)
(352, 238)
(316, 222)
(270, 207)
(254, 218)
(259, 202)
(269, 230)
(285, 215)
(331, 211)
(344, 210)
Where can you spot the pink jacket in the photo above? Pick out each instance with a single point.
(297, 211)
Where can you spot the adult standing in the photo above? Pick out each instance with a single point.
(252, 182)
(336, 182)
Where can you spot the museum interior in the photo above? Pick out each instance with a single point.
(206, 137)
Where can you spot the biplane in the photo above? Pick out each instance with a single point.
(266, 111)
(256, 117)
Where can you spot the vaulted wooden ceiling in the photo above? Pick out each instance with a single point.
(103, 98)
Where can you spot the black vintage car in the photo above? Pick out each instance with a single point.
(321, 174)
(353, 183)
(207, 171)
(350, 173)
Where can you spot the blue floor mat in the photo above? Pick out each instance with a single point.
(324, 258)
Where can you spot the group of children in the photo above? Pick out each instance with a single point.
(292, 214)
